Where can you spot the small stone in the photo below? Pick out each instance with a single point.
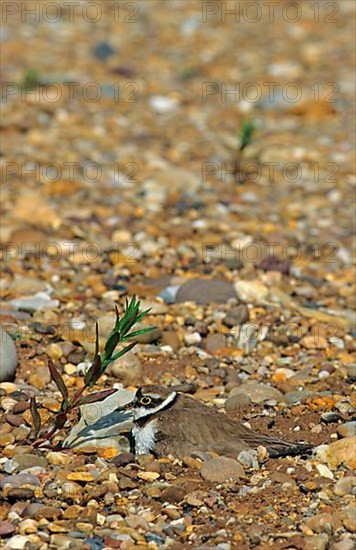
(253, 291)
(342, 452)
(193, 338)
(193, 499)
(148, 337)
(8, 356)
(28, 526)
(172, 495)
(7, 439)
(221, 469)
(346, 544)
(36, 510)
(80, 476)
(237, 316)
(26, 460)
(323, 523)
(316, 542)
(330, 417)
(295, 397)
(314, 342)
(259, 393)
(345, 486)
(324, 471)
(6, 528)
(237, 401)
(58, 459)
(123, 459)
(17, 542)
(127, 368)
(347, 430)
(38, 302)
(103, 50)
(19, 480)
(192, 462)
(72, 490)
(205, 291)
(54, 351)
(162, 104)
(148, 476)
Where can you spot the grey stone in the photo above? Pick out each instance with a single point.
(237, 316)
(237, 400)
(18, 480)
(205, 291)
(261, 392)
(297, 396)
(104, 424)
(8, 356)
(347, 430)
(221, 469)
(37, 302)
(27, 460)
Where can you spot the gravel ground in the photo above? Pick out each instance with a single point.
(124, 175)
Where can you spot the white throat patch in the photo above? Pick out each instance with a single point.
(144, 438)
(141, 412)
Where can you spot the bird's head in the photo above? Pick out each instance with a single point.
(151, 399)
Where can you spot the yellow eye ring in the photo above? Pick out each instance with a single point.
(145, 400)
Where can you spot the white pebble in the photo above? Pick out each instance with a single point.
(324, 471)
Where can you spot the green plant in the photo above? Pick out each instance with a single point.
(246, 134)
(119, 334)
(31, 79)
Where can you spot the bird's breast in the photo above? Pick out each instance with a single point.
(144, 437)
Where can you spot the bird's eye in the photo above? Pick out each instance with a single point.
(145, 401)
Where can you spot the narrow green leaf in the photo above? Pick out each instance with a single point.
(93, 373)
(138, 333)
(58, 380)
(246, 134)
(94, 397)
(111, 344)
(97, 340)
(35, 416)
(121, 352)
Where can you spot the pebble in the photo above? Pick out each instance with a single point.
(237, 401)
(25, 461)
(316, 542)
(295, 397)
(324, 471)
(58, 459)
(342, 452)
(248, 459)
(101, 424)
(193, 338)
(17, 542)
(221, 469)
(347, 430)
(345, 486)
(6, 528)
(237, 316)
(254, 291)
(205, 291)
(258, 393)
(8, 356)
(346, 544)
(127, 368)
(38, 302)
(37, 510)
(20, 480)
(71, 490)
(163, 105)
(7, 439)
